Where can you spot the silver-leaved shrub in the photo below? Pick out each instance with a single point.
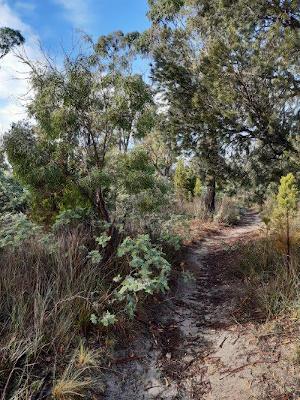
(149, 271)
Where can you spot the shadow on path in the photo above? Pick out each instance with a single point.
(197, 334)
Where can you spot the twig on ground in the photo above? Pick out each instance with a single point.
(229, 372)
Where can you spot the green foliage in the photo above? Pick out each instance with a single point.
(107, 319)
(149, 271)
(71, 218)
(167, 238)
(135, 189)
(161, 10)
(135, 172)
(162, 151)
(103, 240)
(180, 177)
(84, 112)
(288, 193)
(285, 208)
(286, 200)
(148, 274)
(13, 198)
(16, 229)
(100, 155)
(9, 38)
(95, 257)
(221, 66)
(184, 180)
(198, 188)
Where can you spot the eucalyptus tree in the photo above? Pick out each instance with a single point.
(83, 112)
(131, 107)
(162, 151)
(9, 38)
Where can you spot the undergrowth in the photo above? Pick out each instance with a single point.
(273, 283)
(57, 290)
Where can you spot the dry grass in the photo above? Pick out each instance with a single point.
(228, 211)
(296, 355)
(194, 208)
(200, 224)
(76, 381)
(86, 358)
(199, 230)
(47, 297)
(66, 389)
(273, 283)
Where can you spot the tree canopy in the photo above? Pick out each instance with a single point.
(9, 38)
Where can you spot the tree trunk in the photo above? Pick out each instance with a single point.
(113, 244)
(101, 206)
(210, 199)
(112, 231)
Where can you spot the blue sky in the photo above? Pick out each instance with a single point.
(55, 24)
(55, 20)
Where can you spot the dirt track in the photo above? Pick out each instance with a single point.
(201, 344)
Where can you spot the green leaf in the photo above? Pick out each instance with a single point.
(95, 256)
(108, 319)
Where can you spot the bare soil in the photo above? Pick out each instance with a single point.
(207, 340)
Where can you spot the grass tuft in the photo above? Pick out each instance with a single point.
(66, 389)
(86, 357)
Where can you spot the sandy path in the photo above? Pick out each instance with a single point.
(199, 345)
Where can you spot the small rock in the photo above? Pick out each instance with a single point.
(188, 359)
(155, 391)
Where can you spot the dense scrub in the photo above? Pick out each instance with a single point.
(61, 286)
(55, 291)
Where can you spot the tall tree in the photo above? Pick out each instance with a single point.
(229, 73)
(79, 111)
(189, 108)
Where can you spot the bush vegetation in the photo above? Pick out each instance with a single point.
(271, 265)
(107, 168)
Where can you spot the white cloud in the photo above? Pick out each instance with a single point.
(9, 113)
(76, 11)
(14, 84)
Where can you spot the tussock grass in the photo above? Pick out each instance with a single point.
(73, 383)
(86, 358)
(47, 297)
(228, 211)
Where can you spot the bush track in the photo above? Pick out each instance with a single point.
(204, 342)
